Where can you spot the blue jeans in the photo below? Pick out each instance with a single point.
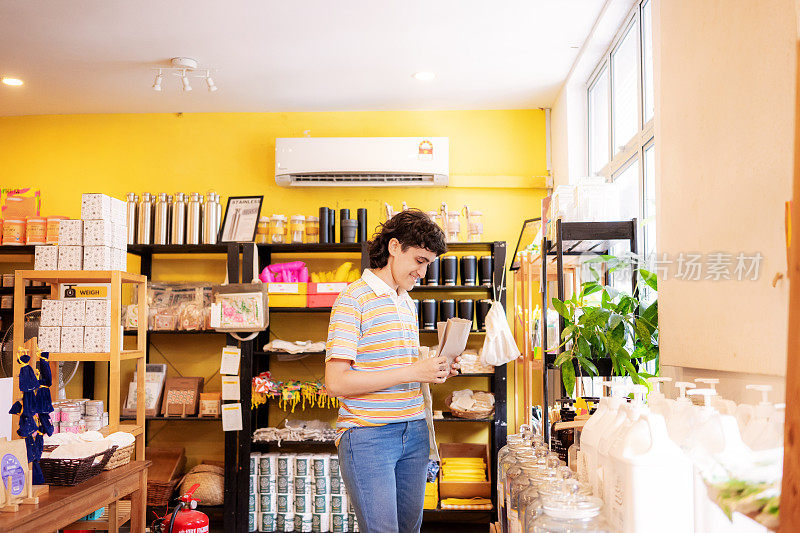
(384, 470)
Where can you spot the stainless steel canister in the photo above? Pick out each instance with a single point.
(161, 220)
(193, 219)
(144, 234)
(133, 208)
(210, 224)
(178, 232)
(219, 213)
(169, 218)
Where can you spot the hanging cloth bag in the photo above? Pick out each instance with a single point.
(240, 307)
(499, 346)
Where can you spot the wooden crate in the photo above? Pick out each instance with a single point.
(482, 489)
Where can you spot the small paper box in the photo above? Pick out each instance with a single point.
(120, 236)
(70, 257)
(49, 338)
(181, 395)
(119, 259)
(97, 258)
(98, 313)
(45, 258)
(51, 313)
(119, 212)
(72, 339)
(210, 404)
(98, 233)
(70, 232)
(95, 206)
(97, 339)
(73, 312)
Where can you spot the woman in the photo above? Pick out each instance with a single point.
(372, 364)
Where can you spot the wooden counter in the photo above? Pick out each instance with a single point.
(62, 506)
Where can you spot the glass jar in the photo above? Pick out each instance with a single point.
(262, 231)
(36, 230)
(453, 226)
(13, 232)
(520, 478)
(312, 230)
(277, 229)
(297, 229)
(570, 513)
(475, 223)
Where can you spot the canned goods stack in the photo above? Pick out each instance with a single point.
(304, 493)
(78, 416)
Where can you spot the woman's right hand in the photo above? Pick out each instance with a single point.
(432, 370)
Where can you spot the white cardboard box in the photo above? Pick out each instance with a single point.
(119, 259)
(98, 312)
(49, 338)
(70, 232)
(97, 258)
(45, 258)
(51, 313)
(72, 339)
(73, 312)
(95, 206)
(119, 214)
(97, 339)
(70, 257)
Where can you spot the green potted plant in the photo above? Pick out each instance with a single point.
(607, 327)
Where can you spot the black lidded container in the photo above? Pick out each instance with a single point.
(466, 310)
(469, 270)
(482, 309)
(429, 314)
(432, 274)
(449, 268)
(485, 270)
(332, 225)
(447, 310)
(344, 214)
(324, 225)
(362, 225)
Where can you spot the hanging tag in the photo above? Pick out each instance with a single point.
(232, 417)
(231, 355)
(230, 388)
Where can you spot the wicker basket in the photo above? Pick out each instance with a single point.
(160, 492)
(473, 415)
(212, 484)
(121, 457)
(70, 472)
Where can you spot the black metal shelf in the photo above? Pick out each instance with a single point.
(299, 309)
(476, 375)
(174, 418)
(451, 288)
(151, 249)
(133, 332)
(450, 418)
(28, 290)
(286, 353)
(10, 249)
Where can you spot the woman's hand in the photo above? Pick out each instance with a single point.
(432, 370)
(455, 367)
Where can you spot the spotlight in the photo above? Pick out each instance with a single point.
(210, 82)
(185, 82)
(157, 83)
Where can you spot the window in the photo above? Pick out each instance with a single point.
(621, 143)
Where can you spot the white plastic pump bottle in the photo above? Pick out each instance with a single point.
(681, 418)
(758, 426)
(656, 401)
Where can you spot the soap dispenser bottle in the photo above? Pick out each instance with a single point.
(681, 418)
(725, 407)
(607, 426)
(758, 425)
(656, 400)
(620, 423)
(594, 429)
(652, 477)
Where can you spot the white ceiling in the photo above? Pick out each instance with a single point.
(96, 56)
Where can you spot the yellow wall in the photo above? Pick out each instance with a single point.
(233, 154)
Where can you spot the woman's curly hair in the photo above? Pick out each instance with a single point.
(411, 228)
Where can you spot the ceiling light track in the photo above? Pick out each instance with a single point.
(185, 68)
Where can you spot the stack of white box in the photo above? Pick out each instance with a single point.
(299, 492)
(99, 241)
(76, 326)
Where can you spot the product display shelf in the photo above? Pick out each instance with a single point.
(177, 332)
(450, 418)
(576, 238)
(482, 289)
(174, 418)
(115, 279)
(28, 290)
(10, 249)
(310, 354)
(274, 310)
(102, 523)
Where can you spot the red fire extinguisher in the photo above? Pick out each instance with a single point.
(184, 519)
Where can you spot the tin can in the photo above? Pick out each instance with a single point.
(286, 464)
(264, 484)
(13, 232)
(320, 522)
(285, 485)
(302, 465)
(337, 487)
(303, 522)
(322, 504)
(267, 522)
(36, 231)
(251, 522)
(252, 503)
(284, 522)
(254, 488)
(334, 464)
(352, 522)
(70, 413)
(321, 485)
(254, 457)
(303, 503)
(303, 484)
(285, 503)
(94, 408)
(268, 503)
(68, 427)
(93, 423)
(339, 522)
(81, 403)
(321, 465)
(268, 464)
(339, 503)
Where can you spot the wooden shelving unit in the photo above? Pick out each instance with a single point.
(115, 278)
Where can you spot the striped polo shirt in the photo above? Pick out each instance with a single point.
(377, 329)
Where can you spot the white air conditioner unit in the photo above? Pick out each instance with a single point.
(362, 162)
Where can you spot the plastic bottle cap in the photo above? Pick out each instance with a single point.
(707, 394)
(708, 381)
(682, 386)
(764, 390)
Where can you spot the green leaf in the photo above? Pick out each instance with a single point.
(559, 306)
(614, 320)
(651, 314)
(562, 357)
(590, 288)
(649, 278)
(642, 330)
(584, 348)
(568, 331)
(588, 365)
(568, 377)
